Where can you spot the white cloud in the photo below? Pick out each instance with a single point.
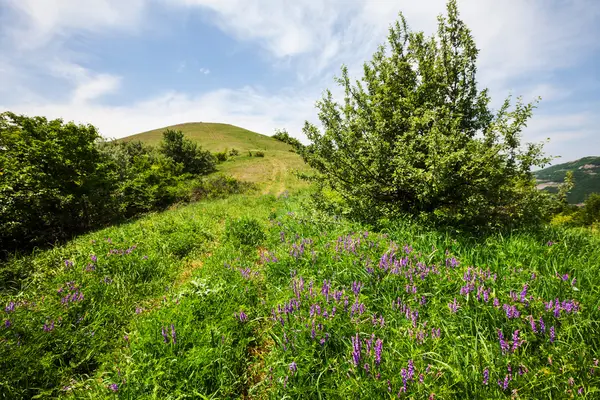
(523, 44)
(39, 22)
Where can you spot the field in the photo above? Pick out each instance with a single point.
(257, 296)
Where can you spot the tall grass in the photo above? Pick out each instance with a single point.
(250, 297)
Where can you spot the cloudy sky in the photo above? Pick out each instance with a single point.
(128, 66)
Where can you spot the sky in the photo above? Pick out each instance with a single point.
(136, 65)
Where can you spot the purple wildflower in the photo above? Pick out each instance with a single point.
(48, 328)
(516, 340)
(411, 370)
(164, 335)
(486, 376)
(356, 350)
(356, 287)
(454, 306)
(293, 367)
(504, 384)
(542, 325)
(503, 345)
(524, 293)
(10, 307)
(68, 263)
(378, 348)
(94, 258)
(533, 325)
(552, 334)
(173, 335)
(496, 302)
(7, 323)
(242, 316)
(114, 387)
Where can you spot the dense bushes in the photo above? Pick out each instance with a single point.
(187, 153)
(60, 179)
(283, 136)
(416, 137)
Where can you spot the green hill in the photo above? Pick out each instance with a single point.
(273, 172)
(586, 174)
(216, 137)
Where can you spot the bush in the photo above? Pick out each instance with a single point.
(283, 136)
(234, 152)
(182, 150)
(55, 181)
(221, 156)
(245, 231)
(590, 212)
(219, 187)
(259, 154)
(416, 137)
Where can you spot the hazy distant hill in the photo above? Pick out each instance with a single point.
(586, 173)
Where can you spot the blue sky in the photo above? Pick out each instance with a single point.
(130, 66)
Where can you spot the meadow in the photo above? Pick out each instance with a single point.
(253, 296)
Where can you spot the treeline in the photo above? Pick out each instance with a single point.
(60, 179)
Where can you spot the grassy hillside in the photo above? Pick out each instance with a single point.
(216, 137)
(273, 173)
(586, 173)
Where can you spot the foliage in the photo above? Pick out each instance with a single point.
(246, 231)
(416, 137)
(186, 152)
(62, 179)
(219, 186)
(283, 136)
(590, 212)
(259, 153)
(221, 156)
(54, 181)
(234, 152)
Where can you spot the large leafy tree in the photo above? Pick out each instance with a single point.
(415, 136)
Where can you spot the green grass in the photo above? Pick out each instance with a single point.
(209, 262)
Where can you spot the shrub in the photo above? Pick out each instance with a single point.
(245, 231)
(218, 187)
(283, 136)
(234, 152)
(54, 182)
(416, 137)
(590, 212)
(259, 154)
(182, 150)
(221, 156)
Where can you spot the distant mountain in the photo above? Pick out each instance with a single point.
(586, 174)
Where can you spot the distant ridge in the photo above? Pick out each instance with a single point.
(586, 174)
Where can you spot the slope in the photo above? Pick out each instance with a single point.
(273, 173)
(586, 174)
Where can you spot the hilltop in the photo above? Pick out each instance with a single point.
(216, 137)
(586, 174)
(273, 173)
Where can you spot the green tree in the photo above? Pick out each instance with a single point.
(53, 181)
(183, 151)
(415, 136)
(590, 212)
(283, 136)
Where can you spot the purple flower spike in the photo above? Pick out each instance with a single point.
(173, 335)
(10, 307)
(454, 306)
(486, 376)
(356, 350)
(114, 387)
(293, 367)
(552, 334)
(164, 335)
(94, 258)
(378, 348)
